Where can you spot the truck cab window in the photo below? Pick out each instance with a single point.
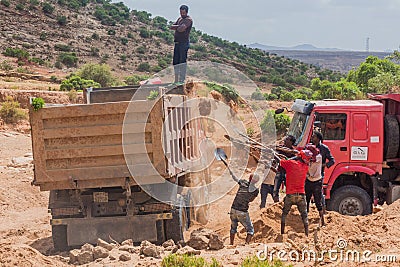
(332, 126)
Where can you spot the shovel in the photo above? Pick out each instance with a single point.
(221, 155)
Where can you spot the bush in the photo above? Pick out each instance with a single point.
(68, 59)
(62, 20)
(62, 47)
(153, 95)
(272, 122)
(257, 95)
(11, 112)
(47, 8)
(135, 79)
(144, 66)
(175, 260)
(144, 33)
(16, 52)
(75, 82)
(226, 90)
(20, 7)
(5, 3)
(100, 73)
(37, 103)
(256, 262)
(5, 65)
(286, 96)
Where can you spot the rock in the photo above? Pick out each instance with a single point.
(111, 257)
(100, 252)
(130, 249)
(73, 255)
(215, 242)
(104, 244)
(202, 231)
(128, 242)
(236, 251)
(124, 257)
(188, 251)
(84, 257)
(168, 243)
(149, 250)
(20, 162)
(198, 242)
(87, 247)
(28, 155)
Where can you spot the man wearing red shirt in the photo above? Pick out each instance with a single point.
(296, 174)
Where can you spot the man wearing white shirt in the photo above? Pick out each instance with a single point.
(313, 184)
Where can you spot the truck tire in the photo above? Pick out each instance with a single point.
(59, 235)
(175, 227)
(351, 200)
(392, 139)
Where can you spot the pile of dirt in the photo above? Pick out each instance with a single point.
(375, 232)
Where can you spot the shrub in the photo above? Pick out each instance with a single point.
(16, 52)
(144, 66)
(43, 36)
(5, 3)
(37, 103)
(62, 47)
(100, 73)
(111, 32)
(20, 7)
(124, 41)
(5, 65)
(272, 122)
(286, 96)
(68, 59)
(257, 95)
(256, 262)
(153, 95)
(272, 97)
(47, 8)
(11, 112)
(175, 260)
(135, 79)
(144, 33)
(226, 90)
(75, 82)
(62, 20)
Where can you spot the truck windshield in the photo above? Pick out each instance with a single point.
(298, 126)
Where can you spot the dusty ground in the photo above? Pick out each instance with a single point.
(26, 233)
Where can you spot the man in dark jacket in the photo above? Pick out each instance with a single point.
(182, 29)
(240, 207)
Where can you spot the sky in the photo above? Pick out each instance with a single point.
(343, 24)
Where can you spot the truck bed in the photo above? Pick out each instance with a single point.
(80, 146)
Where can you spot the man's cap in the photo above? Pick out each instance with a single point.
(314, 150)
(306, 155)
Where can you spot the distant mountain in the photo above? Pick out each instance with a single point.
(302, 47)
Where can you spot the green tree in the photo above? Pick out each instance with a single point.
(100, 73)
(75, 82)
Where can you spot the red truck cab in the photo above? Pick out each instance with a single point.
(363, 137)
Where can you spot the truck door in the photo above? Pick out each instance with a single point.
(334, 128)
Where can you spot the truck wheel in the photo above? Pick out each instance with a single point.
(175, 227)
(351, 200)
(59, 234)
(392, 140)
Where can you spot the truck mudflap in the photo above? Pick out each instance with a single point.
(88, 230)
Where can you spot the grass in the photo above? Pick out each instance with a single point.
(175, 260)
(256, 262)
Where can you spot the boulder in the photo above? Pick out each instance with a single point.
(124, 257)
(100, 252)
(215, 242)
(149, 250)
(104, 244)
(168, 243)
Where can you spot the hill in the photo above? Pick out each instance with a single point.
(301, 47)
(64, 35)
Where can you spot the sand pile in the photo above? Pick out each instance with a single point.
(375, 232)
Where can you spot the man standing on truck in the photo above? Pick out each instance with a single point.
(296, 173)
(240, 207)
(288, 144)
(317, 140)
(182, 29)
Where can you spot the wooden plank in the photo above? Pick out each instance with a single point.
(95, 109)
(98, 151)
(38, 148)
(156, 117)
(95, 141)
(94, 130)
(104, 172)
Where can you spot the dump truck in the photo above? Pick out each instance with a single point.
(81, 158)
(363, 137)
